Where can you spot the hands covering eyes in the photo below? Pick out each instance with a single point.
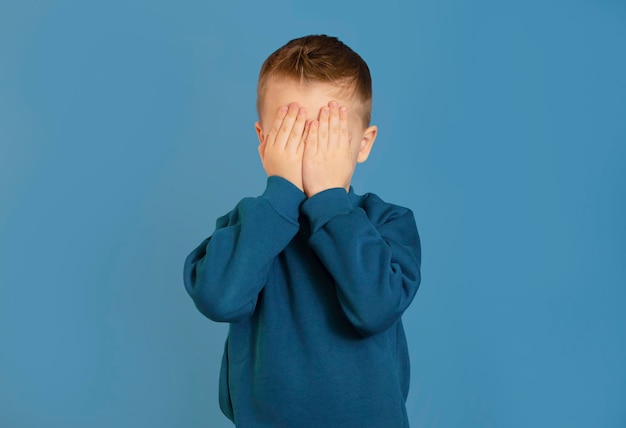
(314, 155)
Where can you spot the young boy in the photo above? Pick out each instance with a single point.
(312, 277)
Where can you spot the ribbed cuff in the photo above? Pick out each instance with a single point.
(325, 205)
(284, 196)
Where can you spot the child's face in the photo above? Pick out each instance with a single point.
(313, 96)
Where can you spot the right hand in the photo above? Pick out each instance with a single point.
(282, 149)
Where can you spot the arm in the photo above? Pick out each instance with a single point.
(375, 265)
(376, 268)
(225, 274)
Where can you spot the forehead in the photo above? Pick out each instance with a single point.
(310, 95)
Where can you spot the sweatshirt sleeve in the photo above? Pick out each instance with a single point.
(376, 267)
(226, 272)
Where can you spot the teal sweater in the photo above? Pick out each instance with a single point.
(314, 290)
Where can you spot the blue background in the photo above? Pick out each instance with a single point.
(126, 129)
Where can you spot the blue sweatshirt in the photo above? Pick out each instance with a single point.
(314, 290)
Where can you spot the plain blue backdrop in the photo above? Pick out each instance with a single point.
(126, 129)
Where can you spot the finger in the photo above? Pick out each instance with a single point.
(262, 151)
(280, 116)
(284, 132)
(305, 134)
(333, 131)
(295, 136)
(322, 137)
(311, 144)
(344, 133)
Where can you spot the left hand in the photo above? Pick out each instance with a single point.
(328, 161)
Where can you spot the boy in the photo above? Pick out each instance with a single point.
(312, 277)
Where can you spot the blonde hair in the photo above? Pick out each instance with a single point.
(320, 58)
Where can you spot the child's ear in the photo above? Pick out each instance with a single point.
(259, 134)
(367, 141)
(259, 131)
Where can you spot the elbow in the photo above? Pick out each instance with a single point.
(367, 331)
(213, 304)
(220, 311)
(371, 322)
(375, 314)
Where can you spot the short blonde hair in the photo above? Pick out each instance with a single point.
(320, 58)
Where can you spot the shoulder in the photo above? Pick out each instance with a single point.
(379, 211)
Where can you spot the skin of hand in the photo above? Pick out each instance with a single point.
(281, 151)
(282, 93)
(329, 159)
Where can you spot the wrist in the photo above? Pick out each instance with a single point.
(284, 196)
(312, 191)
(325, 205)
(295, 182)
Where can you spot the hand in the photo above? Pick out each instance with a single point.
(282, 149)
(328, 161)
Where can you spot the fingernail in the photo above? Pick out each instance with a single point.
(333, 104)
(325, 110)
(343, 109)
